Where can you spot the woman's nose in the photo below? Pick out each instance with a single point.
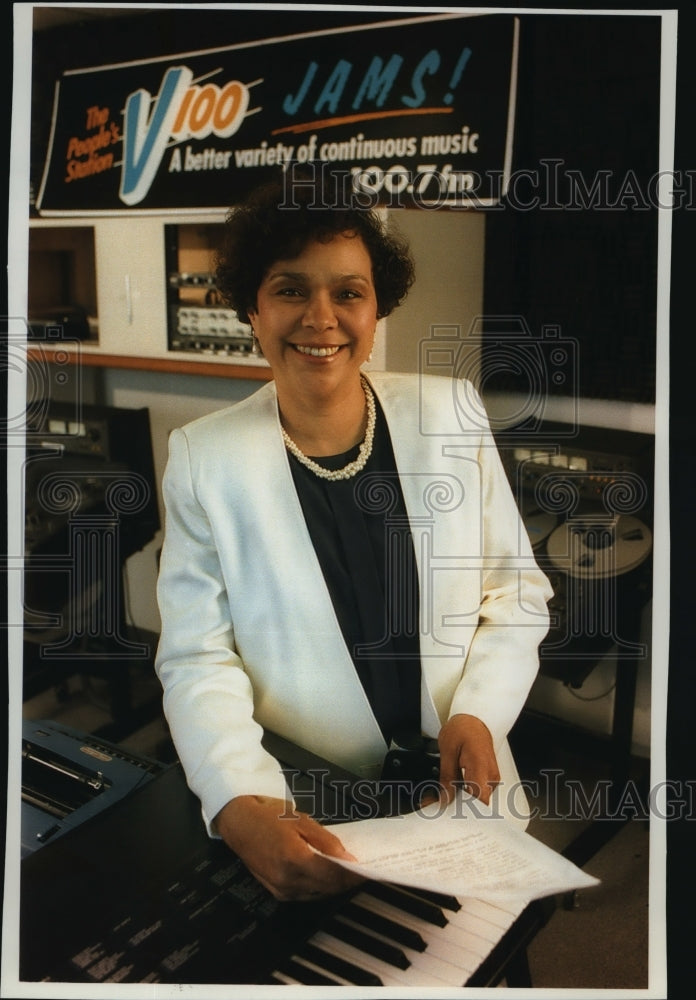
(320, 314)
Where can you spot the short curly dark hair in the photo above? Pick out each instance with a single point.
(272, 224)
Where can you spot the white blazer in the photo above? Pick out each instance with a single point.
(250, 639)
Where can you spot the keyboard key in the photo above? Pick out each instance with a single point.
(406, 901)
(444, 901)
(344, 931)
(390, 975)
(304, 975)
(353, 974)
(388, 928)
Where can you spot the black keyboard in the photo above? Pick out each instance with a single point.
(140, 894)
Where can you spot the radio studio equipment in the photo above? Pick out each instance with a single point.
(198, 321)
(201, 324)
(90, 503)
(586, 502)
(586, 497)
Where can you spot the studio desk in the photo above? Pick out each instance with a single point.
(140, 894)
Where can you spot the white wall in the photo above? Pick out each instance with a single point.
(448, 292)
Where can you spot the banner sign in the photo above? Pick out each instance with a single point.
(414, 112)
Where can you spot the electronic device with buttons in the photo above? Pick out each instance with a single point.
(197, 319)
(202, 324)
(90, 503)
(91, 448)
(586, 502)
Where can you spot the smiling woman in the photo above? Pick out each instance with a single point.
(293, 593)
(313, 282)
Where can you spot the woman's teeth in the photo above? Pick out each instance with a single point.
(317, 352)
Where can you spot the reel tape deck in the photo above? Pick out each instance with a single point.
(587, 508)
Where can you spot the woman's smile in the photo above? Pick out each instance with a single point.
(317, 352)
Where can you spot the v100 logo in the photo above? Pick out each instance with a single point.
(181, 110)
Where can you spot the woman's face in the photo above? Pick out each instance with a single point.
(316, 314)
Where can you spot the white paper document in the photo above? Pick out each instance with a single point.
(462, 850)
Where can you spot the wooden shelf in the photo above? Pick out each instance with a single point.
(175, 366)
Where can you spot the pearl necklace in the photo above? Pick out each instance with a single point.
(352, 469)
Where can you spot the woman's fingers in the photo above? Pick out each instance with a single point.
(466, 749)
(279, 847)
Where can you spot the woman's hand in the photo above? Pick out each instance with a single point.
(275, 843)
(466, 745)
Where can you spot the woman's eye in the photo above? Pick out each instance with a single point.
(349, 293)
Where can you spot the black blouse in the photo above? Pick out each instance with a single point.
(360, 532)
